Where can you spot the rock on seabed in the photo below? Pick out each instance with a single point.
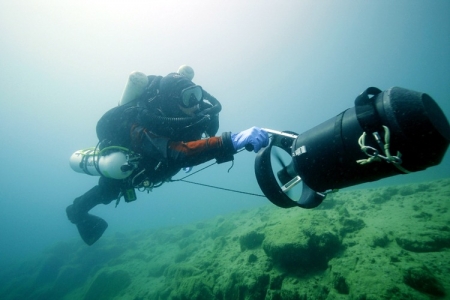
(384, 243)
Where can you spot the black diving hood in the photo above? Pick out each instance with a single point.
(388, 133)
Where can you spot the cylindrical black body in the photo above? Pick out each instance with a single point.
(418, 128)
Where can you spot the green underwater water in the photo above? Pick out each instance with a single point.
(380, 243)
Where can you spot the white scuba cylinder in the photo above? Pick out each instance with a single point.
(109, 165)
(186, 71)
(137, 81)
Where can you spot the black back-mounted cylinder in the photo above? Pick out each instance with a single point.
(350, 148)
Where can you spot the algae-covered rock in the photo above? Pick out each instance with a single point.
(384, 195)
(252, 258)
(49, 270)
(185, 253)
(222, 228)
(57, 257)
(185, 281)
(406, 190)
(359, 249)
(108, 284)
(156, 269)
(243, 284)
(421, 279)
(251, 240)
(195, 288)
(69, 279)
(426, 241)
(92, 258)
(283, 295)
(301, 249)
(340, 284)
(380, 239)
(181, 271)
(350, 225)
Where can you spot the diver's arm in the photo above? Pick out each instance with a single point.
(221, 148)
(188, 154)
(197, 152)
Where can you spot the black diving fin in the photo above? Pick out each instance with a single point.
(91, 228)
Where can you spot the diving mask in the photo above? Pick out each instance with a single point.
(191, 96)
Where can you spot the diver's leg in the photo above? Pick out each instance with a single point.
(89, 226)
(81, 205)
(103, 193)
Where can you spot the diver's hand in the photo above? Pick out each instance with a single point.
(254, 136)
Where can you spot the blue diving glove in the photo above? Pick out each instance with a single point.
(254, 136)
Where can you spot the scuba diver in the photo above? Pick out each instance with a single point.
(169, 127)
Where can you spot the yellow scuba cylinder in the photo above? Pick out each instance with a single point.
(137, 81)
(112, 164)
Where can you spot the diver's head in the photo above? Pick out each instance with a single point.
(181, 97)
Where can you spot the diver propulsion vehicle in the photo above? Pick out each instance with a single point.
(386, 133)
